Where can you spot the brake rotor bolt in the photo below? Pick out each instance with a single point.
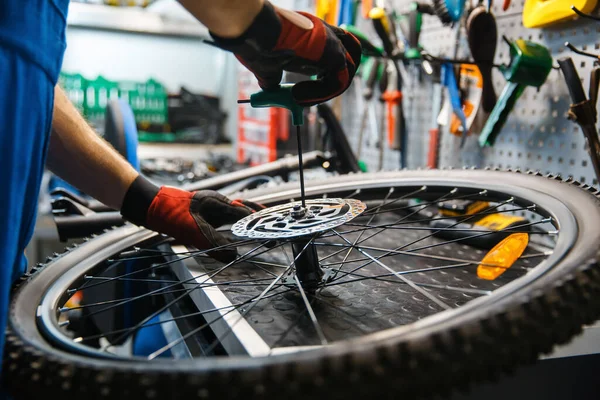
(298, 212)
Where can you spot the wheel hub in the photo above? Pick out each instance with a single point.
(292, 220)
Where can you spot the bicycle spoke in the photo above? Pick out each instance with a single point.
(430, 203)
(411, 251)
(197, 286)
(409, 282)
(311, 313)
(242, 315)
(154, 267)
(382, 278)
(193, 314)
(432, 256)
(394, 224)
(362, 233)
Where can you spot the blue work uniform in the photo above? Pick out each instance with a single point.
(32, 45)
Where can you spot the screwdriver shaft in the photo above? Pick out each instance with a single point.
(300, 167)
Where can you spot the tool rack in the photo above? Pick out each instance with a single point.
(537, 135)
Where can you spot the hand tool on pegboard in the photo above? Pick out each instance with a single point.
(449, 81)
(385, 29)
(449, 11)
(327, 10)
(542, 13)
(410, 26)
(470, 90)
(434, 131)
(371, 75)
(530, 64)
(583, 110)
(347, 12)
(482, 34)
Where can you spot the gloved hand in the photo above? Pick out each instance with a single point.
(189, 217)
(281, 40)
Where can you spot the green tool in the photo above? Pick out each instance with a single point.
(282, 97)
(530, 64)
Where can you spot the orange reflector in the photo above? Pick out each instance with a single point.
(502, 256)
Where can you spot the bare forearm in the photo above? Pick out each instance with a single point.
(226, 18)
(78, 155)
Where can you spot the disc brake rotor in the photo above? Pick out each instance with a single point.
(291, 220)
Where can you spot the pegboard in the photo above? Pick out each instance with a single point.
(537, 134)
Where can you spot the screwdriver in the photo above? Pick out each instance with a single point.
(372, 70)
(393, 93)
(282, 97)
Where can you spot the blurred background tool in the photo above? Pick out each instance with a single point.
(371, 74)
(434, 131)
(449, 80)
(530, 64)
(327, 10)
(392, 95)
(347, 12)
(583, 110)
(541, 13)
(449, 11)
(482, 35)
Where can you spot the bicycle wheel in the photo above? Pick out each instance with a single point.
(360, 303)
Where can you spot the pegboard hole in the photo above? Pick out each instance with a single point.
(519, 155)
(597, 46)
(584, 163)
(582, 179)
(539, 157)
(572, 162)
(549, 158)
(541, 143)
(582, 64)
(560, 160)
(573, 145)
(529, 156)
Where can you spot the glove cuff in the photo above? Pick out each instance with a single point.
(263, 32)
(137, 200)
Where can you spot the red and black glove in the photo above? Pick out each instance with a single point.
(280, 40)
(189, 217)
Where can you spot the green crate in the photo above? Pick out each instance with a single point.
(98, 93)
(148, 101)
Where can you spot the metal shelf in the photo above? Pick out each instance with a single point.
(124, 19)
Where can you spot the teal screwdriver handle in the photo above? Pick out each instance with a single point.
(511, 93)
(281, 97)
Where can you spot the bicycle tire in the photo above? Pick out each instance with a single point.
(480, 344)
